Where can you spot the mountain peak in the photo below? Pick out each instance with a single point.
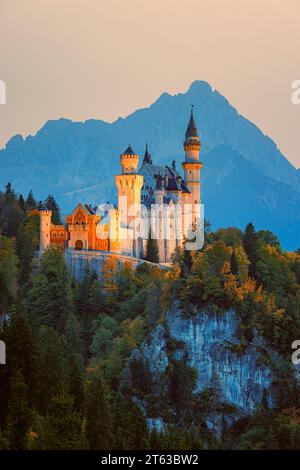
(163, 98)
(14, 142)
(200, 86)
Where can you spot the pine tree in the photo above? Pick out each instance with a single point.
(242, 263)
(26, 244)
(50, 298)
(8, 275)
(151, 250)
(251, 247)
(30, 202)
(187, 262)
(62, 425)
(109, 283)
(89, 302)
(8, 188)
(126, 282)
(103, 337)
(11, 214)
(20, 346)
(129, 426)
(234, 263)
(21, 203)
(182, 382)
(138, 429)
(10, 195)
(73, 336)
(110, 274)
(152, 306)
(121, 419)
(98, 415)
(51, 373)
(19, 415)
(52, 205)
(76, 382)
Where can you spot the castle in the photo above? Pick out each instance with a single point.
(153, 201)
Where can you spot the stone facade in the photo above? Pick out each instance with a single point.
(152, 200)
(51, 234)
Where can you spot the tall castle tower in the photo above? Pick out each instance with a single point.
(129, 185)
(45, 226)
(192, 167)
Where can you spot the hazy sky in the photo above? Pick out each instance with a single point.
(84, 59)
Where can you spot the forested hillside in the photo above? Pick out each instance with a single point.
(74, 378)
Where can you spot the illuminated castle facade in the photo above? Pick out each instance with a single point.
(153, 201)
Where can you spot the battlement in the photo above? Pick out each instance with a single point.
(192, 165)
(58, 227)
(129, 161)
(191, 144)
(129, 157)
(45, 212)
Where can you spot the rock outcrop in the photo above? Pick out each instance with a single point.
(209, 342)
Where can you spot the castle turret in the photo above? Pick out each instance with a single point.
(45, 226)
(129, 185)
(192, 166)
(129, 161)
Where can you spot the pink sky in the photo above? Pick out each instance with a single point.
(84, 59)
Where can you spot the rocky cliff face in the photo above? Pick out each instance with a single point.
(209, 343)
(81, 262)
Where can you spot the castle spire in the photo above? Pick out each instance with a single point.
(191, 131)
(147, 157)
(129, 151)
(191, 142)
